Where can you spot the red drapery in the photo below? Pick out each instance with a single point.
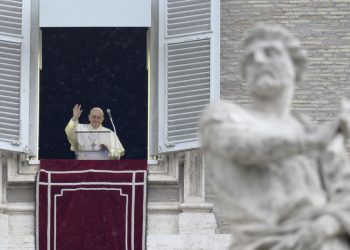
(91, 205)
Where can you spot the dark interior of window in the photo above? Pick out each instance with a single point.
(95, 67)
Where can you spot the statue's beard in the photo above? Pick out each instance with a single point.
(266, 85)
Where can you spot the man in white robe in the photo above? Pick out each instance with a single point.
(93, 136)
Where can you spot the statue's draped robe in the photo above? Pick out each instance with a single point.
(266, 190)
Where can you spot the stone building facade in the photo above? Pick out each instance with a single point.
(323, 27)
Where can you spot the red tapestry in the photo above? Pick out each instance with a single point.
(91, 205)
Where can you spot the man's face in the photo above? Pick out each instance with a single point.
(269, 68)
(95, 118)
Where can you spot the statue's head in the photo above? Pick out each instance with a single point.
(273, 61)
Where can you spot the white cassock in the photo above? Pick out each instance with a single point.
(83, 137)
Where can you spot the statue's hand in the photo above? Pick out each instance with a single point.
(322, 137)
(316, 233)
(319, 139)
(311, 235)
(344, 118)
(310, 238)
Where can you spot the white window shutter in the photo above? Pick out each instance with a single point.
(189, 69)
(14, 74)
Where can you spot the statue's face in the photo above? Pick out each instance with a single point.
(269, 68)
(95, 118)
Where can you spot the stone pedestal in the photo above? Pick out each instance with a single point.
(197, 215)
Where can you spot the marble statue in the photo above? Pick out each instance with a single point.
(280, 182)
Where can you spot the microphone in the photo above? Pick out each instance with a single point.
(109, 113)
(115, 132)
(111, 119)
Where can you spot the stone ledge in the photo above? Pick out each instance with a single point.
(17, 208)
(197, 207)
(23, 171)
(156, 207)
(188, 241)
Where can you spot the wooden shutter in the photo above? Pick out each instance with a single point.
(189, 69)
(14, 74)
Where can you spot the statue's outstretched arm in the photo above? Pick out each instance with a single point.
(231, 132)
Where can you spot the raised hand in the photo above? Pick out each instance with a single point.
(77, 112)
(103, 147)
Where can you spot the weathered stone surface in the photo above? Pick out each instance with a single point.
(201, 223)
(4, 231)
(324, 29)
(188, 242)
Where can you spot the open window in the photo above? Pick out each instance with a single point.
(96, 67)
(184, 61)
(94, 53)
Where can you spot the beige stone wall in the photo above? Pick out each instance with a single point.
(323, 26)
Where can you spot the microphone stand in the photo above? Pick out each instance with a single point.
(115, 132)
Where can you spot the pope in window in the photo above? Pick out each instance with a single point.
(92, 141)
